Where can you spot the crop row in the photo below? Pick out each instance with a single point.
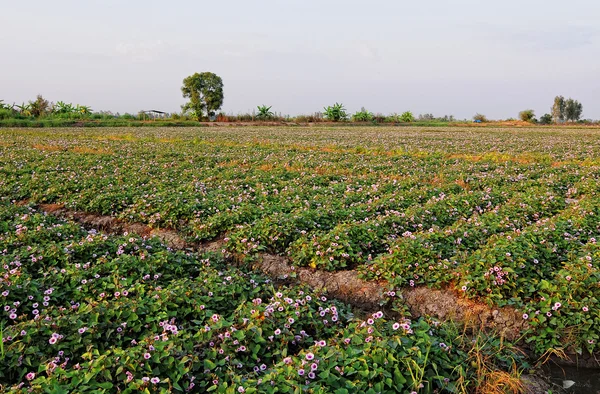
(87, 312)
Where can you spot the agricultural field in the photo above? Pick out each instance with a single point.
(505, 218)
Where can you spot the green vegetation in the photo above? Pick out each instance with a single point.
(527, 115)
(480, 118)
(363, 116)
(336, 112)
(503, 217)
(407, 117)
(566, 110)
(264, 112)
(120, 313)
(205, 92)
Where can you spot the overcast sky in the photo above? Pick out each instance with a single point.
(430, 56)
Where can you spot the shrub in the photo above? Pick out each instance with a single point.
(527, 115)
(546, 119)
(363, 116)
(407, 117)
(480, 118)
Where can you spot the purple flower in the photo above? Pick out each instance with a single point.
(147, 356)
(396, 326)
(30, 376)
(525, 316)
(310, 356)
(301, 372)
(155, 380)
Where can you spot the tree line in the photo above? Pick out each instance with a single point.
(205, 94)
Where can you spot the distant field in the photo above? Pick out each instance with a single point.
(504, 216)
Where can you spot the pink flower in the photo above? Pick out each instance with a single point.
(52, 340)
(147, 356)
(525, 316)
(30, 376)
(585, 309)
(310, 356)
(155, 380)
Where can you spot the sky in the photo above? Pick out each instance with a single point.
(442, 57)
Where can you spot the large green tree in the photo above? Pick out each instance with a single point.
(205, 91)
(573, 110)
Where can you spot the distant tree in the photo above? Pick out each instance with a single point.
(205, 91)
(480, 118)
(558, 109)
(546, 119)
(264, 112)
(573, 110)
(527, 115)
(39, 107)
(426, 117)
(407, 117)
(336, 112)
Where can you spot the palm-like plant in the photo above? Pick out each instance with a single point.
(336, 112)
(407, 117)
(264, 112)
(363, 116)
(24, 109)
(83, 109)
(63, 108)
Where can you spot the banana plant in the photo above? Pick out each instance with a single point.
(83, 109)
(264, 112)
(63, 108)
(336, 112)
(24, 109)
